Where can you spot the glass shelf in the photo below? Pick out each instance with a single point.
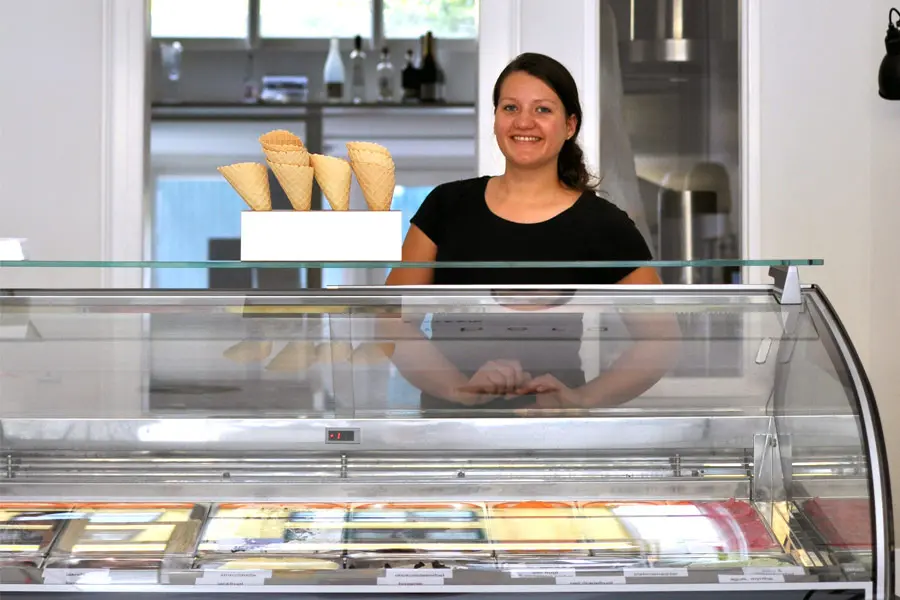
(229, 264)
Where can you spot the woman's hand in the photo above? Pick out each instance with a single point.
(550, 392)
(495, 379)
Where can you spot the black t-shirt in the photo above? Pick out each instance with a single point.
(456, 217)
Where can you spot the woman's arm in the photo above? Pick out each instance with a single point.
(420, 362)
(653, 354)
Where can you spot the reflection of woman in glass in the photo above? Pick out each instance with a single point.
(543, 208)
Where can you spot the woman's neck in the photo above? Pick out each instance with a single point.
(531, 184)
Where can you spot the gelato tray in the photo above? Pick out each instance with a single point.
(128, 537)
(415, 536)
(27, 532)
(248, 530)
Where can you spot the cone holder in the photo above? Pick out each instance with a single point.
(321, 236)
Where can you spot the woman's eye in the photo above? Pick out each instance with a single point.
(509, 108)
(543, 109)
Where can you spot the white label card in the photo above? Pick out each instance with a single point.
(526, 574)
(234, 578)
(786, 570)
(404, 574)
(73, 576)
(411, 581)
(751, 578)
(590, 580)
(656, 573)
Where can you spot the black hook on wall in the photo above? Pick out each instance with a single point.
(889, 73)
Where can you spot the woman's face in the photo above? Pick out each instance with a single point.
(530, 122)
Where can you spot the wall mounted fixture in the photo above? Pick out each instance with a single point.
(889, 73)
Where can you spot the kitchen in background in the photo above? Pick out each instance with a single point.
(225, 71)
(670, 95)
(680, 78)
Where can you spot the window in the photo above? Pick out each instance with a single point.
(313, 19)
(408, 19)
(225, 19)
(282, 19)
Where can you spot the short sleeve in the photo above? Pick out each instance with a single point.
(428, 217)
(621, 241)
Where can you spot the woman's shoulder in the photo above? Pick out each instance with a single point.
(597, 204)
(461, 189)
(598, 213)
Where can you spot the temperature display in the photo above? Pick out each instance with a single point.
(342, 436)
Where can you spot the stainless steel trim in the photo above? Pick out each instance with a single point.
(610, 430)
(885, 574)
(460, 589)
(345, 490)
(787, 284)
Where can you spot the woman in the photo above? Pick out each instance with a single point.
(543, 208)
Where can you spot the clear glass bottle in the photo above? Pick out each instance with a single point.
(358, 72)
(334, 75)
(386, 77)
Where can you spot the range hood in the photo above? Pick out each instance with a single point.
(667, 32)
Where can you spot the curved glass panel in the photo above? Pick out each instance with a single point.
(470, 437)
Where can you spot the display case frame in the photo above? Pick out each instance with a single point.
(776, 451)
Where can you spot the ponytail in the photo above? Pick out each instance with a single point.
(572, 171)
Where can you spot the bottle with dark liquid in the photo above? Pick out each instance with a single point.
(385, 71)
(428, 74)
(441, 89)
(410, 79)
(333, 73)
(358, 72)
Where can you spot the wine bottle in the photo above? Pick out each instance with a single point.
(410, 78)
(441, 84)
(358, 71)
(386, 77)
(428, 75)
(334, 73)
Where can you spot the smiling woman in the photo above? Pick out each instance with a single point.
(543, 208)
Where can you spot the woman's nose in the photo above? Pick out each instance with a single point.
(523, 120)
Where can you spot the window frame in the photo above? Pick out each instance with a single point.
(256, 42)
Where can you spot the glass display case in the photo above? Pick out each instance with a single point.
(565, 442)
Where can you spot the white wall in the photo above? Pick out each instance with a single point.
(829, 148)
(50, 128)
(71, 135)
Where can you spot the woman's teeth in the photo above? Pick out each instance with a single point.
(526, 138)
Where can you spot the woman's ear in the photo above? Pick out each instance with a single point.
(571, 126)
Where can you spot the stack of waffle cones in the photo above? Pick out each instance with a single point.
(289, 160)
(375, 173)
(296, 169)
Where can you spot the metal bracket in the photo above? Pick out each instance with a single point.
(787, 284)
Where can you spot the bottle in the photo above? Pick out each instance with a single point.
(410, 78)
(251, 90)
(358, 72)
(441, 87)
(385, 71)
(428, 74)
(334, 73)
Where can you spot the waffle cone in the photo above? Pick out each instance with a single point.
(370, 157)
(295, 156)
(367, 147)
(296, 356)
(334, 177)
(297, 182)
(372, 353)
(280, 137)
(251, 181)
(377, 183)
(334, 352)
(249, 351)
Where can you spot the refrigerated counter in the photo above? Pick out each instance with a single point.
(584, 442)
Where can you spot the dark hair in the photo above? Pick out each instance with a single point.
(571, 170)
